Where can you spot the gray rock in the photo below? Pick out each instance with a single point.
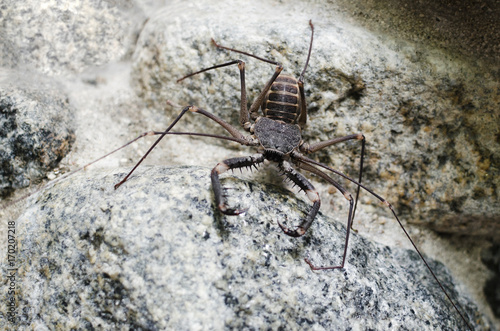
(36, 128)
(155, 254)
(59, 38)
(491, 258)
(429, 118)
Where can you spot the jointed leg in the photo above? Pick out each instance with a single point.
(306, 148)
(322, 144)
(244, 111)
(244, 116)
(307, 164)
(230, 164)
(237, 136)
(256, 104)
(254, 108)
(350, 217)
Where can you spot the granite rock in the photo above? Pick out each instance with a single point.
(155, 254)
(430, 118)
(36, 128)
(58, 38)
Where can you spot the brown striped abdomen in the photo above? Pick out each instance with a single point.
(282, 101)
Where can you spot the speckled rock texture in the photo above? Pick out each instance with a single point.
(154, 255)
(36, 129)
(431, 121)
(64, 37)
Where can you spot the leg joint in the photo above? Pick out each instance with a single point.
(220, 168)
(313, 195)
(348, 196)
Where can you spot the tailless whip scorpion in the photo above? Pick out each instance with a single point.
(276, 133)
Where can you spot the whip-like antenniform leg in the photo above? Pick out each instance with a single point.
(229, 128)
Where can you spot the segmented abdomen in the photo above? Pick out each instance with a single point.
(282, 100)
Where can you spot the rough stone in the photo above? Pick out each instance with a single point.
(154, 254)
(491, 258)
(36, 128)
(57, 37)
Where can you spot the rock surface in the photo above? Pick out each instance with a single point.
(60, 38)
(491, 258)
(36, 129)
(154, 255)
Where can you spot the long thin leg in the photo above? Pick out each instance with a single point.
(301, 78)
(303, 108)
(244, 111)
(230, 164)
(350, 217)
(304, 162)
(142, 135)
(311, 193)
(254, 108)
(245, 53)
(322, 144)
(229, 128)
(244, 115)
